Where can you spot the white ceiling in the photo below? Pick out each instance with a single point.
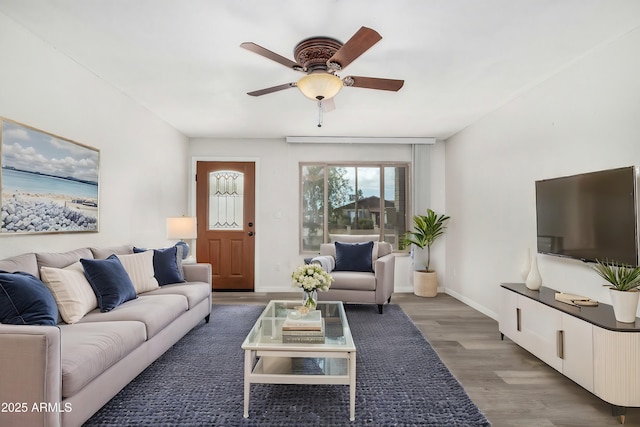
(460, 59)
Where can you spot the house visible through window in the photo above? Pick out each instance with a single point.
(352, 199)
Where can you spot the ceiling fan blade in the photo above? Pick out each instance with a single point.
(271, 89)
(271, 55)
(373, 83)
(358, 44)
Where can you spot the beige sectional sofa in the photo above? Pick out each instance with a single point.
(61, 375)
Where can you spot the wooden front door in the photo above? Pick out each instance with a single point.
(225, 207)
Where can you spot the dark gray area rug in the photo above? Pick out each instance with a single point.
(401, 381)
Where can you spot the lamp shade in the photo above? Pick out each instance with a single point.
(319, 86)
(183, 227)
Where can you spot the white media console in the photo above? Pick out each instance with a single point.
(585, 344)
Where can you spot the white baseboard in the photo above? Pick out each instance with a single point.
(278, 289)
(471, 303)
(406, 289)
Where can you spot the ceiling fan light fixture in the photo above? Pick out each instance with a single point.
(319, 86)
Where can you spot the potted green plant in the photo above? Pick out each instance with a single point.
(427, 228)
(623, 281)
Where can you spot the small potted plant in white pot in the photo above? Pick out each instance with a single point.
(623, 284)
(427, 228)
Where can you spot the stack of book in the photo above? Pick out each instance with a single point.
(575, 300)
(303, 329)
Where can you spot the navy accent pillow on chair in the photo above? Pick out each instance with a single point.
(354, 256)
(110, 282)
(25, 300)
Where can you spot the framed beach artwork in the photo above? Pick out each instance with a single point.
(49, 184)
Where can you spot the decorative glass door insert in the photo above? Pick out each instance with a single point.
(226, 190)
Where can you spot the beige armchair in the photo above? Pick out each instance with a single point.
(370, 287)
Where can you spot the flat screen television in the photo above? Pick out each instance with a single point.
(590, 216)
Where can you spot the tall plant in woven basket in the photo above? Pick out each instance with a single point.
(426, 230)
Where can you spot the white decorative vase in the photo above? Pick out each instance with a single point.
(625, 305)
(533, 280)
(526, 267)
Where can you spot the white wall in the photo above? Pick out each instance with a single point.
(428, 193)
(583, 119)
(277, 186)
(437, 202)
(143, 161)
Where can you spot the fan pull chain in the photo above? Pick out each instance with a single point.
(319, 113)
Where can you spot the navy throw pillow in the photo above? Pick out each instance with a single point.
(25, 300)
(167, 264)
(354, 256)
(110, 282)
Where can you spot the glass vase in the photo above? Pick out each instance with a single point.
(310, 299)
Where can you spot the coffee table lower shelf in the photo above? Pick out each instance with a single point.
(279, 367)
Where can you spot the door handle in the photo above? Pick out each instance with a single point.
(250, 233)
(560, 344)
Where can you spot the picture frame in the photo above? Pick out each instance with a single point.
(48, 184)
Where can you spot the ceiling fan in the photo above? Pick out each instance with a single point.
(321, 58)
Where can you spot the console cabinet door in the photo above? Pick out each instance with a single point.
(508, 317)
(577, 350)
(539, 326)
(616, 370)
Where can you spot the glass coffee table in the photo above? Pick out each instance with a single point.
(328, 359)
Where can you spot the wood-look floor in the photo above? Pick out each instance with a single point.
(510, 386)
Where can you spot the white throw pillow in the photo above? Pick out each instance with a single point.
(139, 267)
(71, 290)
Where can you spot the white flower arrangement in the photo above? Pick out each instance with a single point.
(311, 277)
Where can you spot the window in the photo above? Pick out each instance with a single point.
(352, 199)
